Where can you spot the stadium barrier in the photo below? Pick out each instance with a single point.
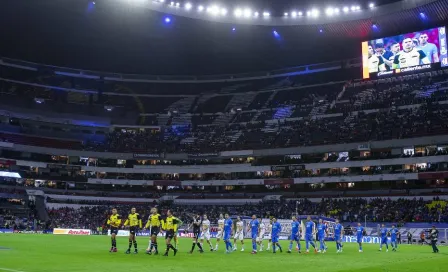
(6, 230)
(72, 231)
(365, 239)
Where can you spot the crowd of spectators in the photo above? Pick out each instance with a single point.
(403, 107)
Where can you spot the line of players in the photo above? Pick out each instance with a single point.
(259, 232)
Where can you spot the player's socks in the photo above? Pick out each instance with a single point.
(193, 246)
(273, 248)
(290, 247)
(155, 247)
(200, 247)
(130, 245)
(254, 246)
(135, 245)
(279, 248)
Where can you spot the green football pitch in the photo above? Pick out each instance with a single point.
(51, 253)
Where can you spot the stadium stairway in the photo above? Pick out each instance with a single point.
(41, 209)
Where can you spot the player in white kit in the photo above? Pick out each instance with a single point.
(269, 231)
(220, 233)
(261, 234)
(239, 234)
(205, 232)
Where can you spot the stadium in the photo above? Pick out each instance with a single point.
(223, 135)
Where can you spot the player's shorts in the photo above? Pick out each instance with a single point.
(260, 237)
(321, 238)
(309, 237)
(383, 240)
(219, 234)
(155, 231)
(337, 238)
(294, 237)
(227, 236)
(393, 240)
(133, 230)
(239, 235)
(205, 235)
(269, 236)
(169, 234)
(275, 239)
(114, 230)
(254, 235)
(359, 239)
(196, 234)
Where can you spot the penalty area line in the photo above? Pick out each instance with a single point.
(10, 270)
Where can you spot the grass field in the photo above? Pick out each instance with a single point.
(51, 253)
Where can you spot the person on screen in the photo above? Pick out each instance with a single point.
(394, 49)
(409, 56)
(429, 49)
(381, 52)
(376, 63)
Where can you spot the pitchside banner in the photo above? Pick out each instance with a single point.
(365, 239)
(72, 231)
(286, 226)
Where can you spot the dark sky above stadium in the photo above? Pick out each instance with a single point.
(120, 38)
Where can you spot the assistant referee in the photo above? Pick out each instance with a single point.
(169, 224)
(154, 223)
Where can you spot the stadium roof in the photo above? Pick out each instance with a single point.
(118, 37)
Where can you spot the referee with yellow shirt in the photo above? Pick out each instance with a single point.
(114, 222)
(134, 222)
(169, 224)
(153, 224)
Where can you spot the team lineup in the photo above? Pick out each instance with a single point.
(227, 230)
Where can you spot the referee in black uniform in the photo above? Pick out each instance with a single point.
(197, 222)
(434, 236)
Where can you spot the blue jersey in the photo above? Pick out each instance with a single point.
(338, 230)
(254, 225)
(393, 234)
(321, 230)
(309, 228)
(383, 232)
(228, 225)
(295, 227)
(276, 228)
(359, 231)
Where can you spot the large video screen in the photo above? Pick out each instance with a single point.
(406, 53)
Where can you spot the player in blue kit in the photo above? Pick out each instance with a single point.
(393, 238)
(321, 233)
(310, 231)
(254, 226)
(228, 229)
(295, 234)
(384, 233)
(359, 235)
(276, 229)
(338, 232)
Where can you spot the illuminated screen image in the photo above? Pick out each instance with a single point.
(405, 53)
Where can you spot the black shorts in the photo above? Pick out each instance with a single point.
(169, 234)
(155, 231)
(196, 234)
(113, 230)
(133, 230)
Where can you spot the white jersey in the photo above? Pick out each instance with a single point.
(408, 59)
(261, 232)
(269, 231)
(220, 233)
(221, 224)
(205, 233)
(239, 231)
